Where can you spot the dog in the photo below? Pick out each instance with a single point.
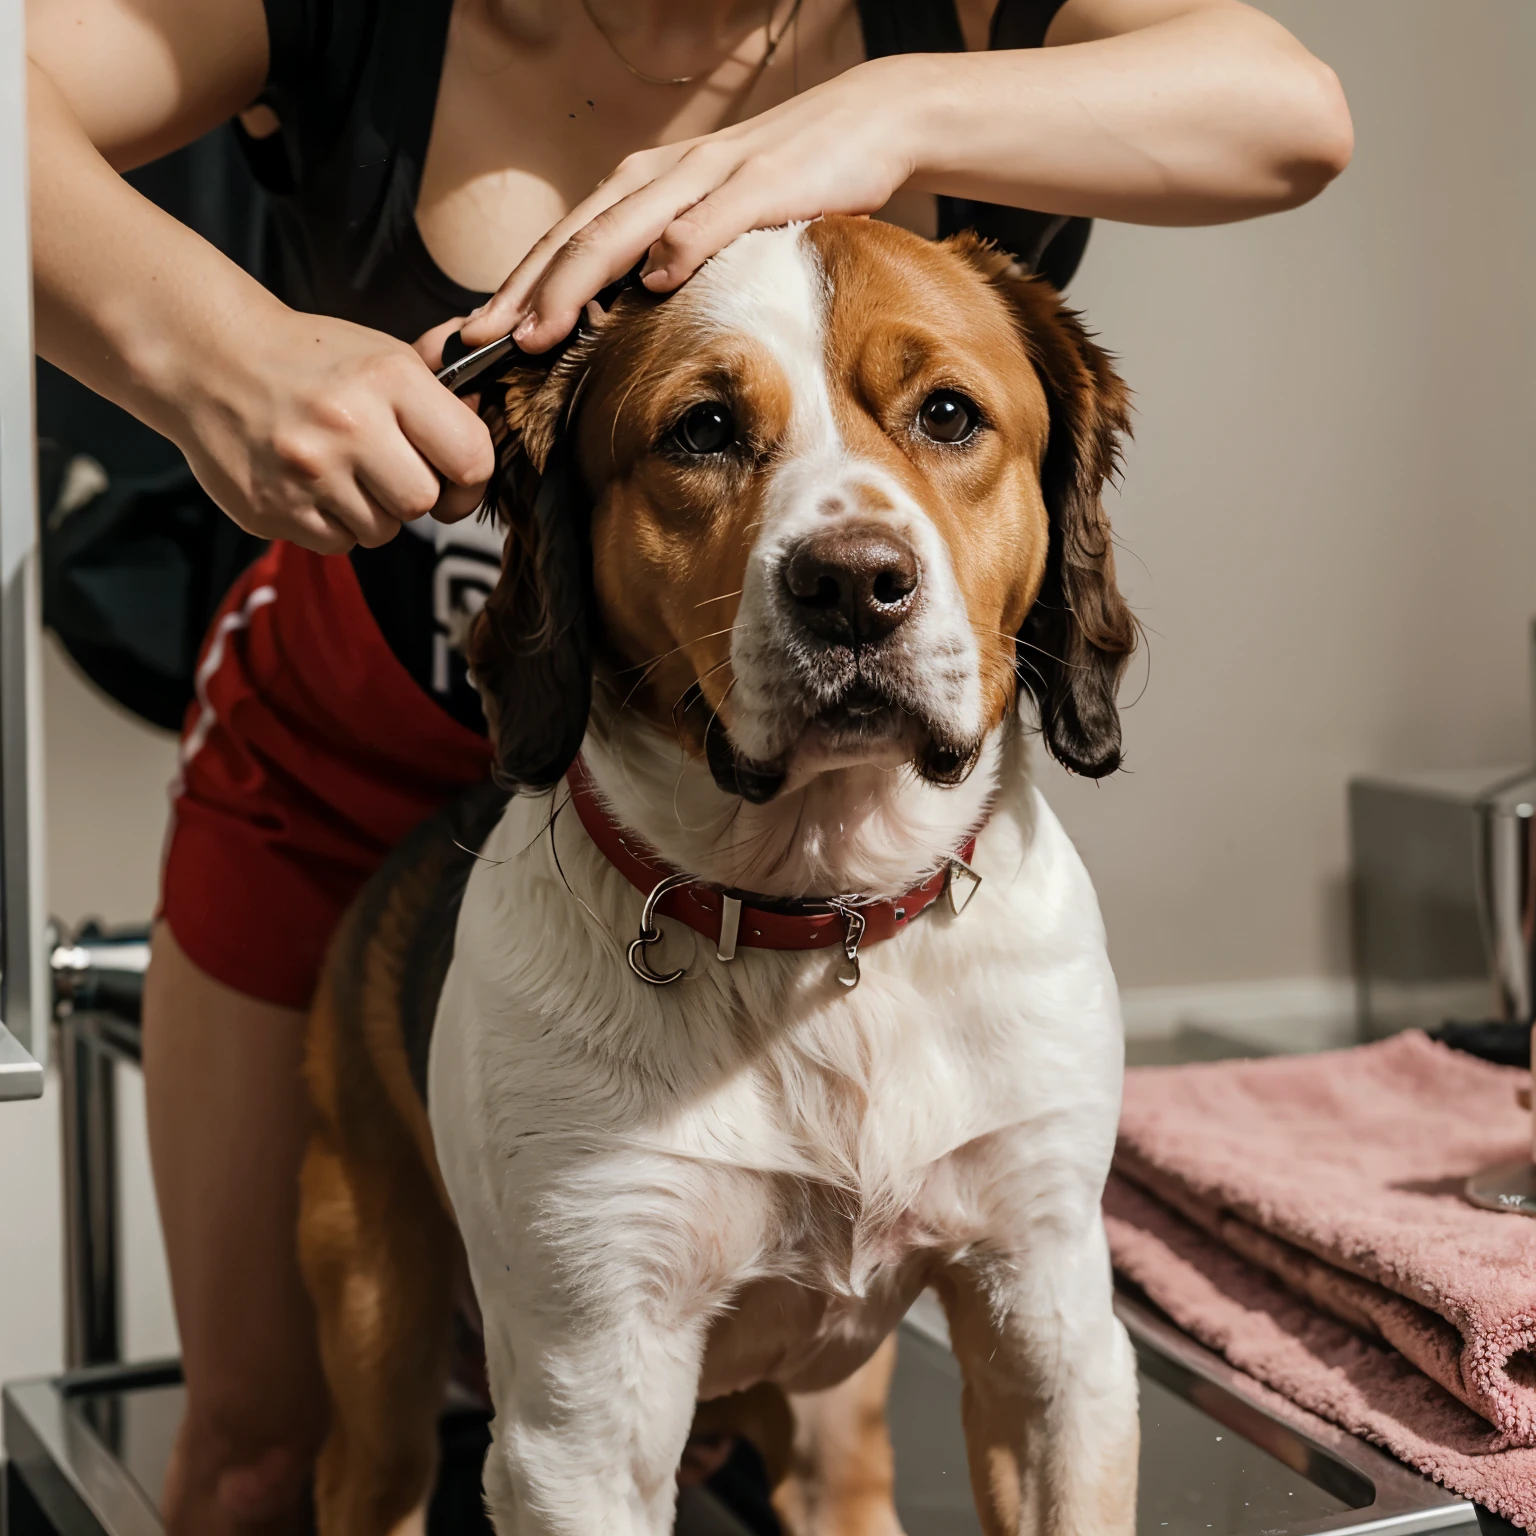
(776, 994)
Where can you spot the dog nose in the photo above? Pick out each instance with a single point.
(853, 584)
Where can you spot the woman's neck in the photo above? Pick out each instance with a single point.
(662, 36)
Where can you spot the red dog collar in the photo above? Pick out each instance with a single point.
(741, 919)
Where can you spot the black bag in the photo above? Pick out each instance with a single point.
(132, 578)
(136, 556)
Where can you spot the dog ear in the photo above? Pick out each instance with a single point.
(530, 647)
(1079, 634)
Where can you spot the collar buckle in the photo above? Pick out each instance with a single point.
(650, 934)
(961, 883)
(853, 934)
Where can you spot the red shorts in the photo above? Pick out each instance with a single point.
(308, 752)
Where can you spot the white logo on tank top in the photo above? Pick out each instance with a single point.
(468, 563)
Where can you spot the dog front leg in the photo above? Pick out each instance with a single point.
(1049, 1399)
(598, 1279)
(593, 1410)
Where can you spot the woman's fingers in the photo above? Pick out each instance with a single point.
(369, 523)
(605, 249)
(748, 200)
(396, 478)
(346, 519)
(445, 432)
(508, 306)
(458, 502)
(820, 153)
(429, 345)
(452, 501)
(320, 532)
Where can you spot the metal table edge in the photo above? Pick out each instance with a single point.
(78, 1483)
(21, 1075)
(1405, 1500)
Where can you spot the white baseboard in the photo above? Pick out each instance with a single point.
(1294, 1012)
(1312, 1009)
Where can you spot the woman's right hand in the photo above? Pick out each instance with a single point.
(328, 434)
(299, 426)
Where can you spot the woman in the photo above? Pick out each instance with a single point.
(416, 153)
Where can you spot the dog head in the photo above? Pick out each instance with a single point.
(822, 510)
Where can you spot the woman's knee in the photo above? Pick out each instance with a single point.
(243, 1474)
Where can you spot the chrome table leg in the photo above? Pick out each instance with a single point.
(92, 1304)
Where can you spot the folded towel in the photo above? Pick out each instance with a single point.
(1305, 1360)
(1340, 1176)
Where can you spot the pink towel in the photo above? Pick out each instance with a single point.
(1340, 1177)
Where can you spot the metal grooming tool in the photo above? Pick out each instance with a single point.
(463, 367)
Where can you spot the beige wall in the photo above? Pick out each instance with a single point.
(107, 779)
(1327, 520)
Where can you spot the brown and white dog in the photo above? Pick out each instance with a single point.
(781, 550)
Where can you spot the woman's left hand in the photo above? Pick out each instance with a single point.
(838, 148)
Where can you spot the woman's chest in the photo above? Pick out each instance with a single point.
(527, 125)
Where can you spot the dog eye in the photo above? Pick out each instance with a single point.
(948, 417)
(706, 428)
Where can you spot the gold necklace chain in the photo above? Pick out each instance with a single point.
(650, 79)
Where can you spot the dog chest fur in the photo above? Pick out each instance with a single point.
(757, 1123)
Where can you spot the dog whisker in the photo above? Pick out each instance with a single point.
(554, 853)
(1060, 661)
(495, 863)
(677, 703)
(656, 661)
(729, 816)
(683, 770)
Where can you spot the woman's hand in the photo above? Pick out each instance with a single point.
(1159, 112)
(329, 434)
(838, 148)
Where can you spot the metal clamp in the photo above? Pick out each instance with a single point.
(730, 926)
(961, 883)
(853, 934)
(650, 934)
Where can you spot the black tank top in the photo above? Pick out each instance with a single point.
(354, 86)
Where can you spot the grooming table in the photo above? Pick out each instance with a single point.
(88, 1449)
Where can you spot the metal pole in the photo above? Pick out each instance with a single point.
(92, 1310)
(24, 985)
(98, 982)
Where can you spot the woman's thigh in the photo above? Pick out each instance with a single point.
(227, 1129)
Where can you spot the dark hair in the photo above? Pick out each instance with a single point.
(530, 647)
(1075, 641)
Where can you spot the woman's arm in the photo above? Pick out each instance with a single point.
(299, 426)
(1153, 111)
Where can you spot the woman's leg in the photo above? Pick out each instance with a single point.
(227, 1129)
